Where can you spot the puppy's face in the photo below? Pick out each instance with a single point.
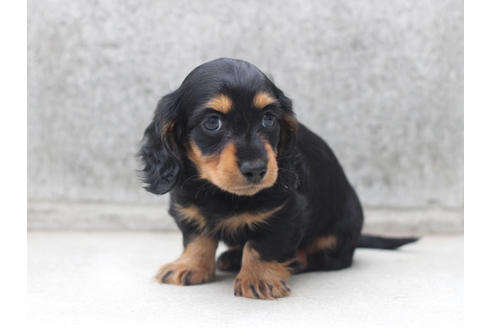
(233, 140)
(230, 121)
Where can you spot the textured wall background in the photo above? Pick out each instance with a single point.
(381, 81)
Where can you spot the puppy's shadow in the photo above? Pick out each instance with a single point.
(225, 276)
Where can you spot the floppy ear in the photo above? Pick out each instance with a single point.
(288, 126)
(159, 151)
(288, 156)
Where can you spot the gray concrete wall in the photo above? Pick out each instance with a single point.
(381, 81)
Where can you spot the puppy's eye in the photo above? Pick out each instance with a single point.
(268, 120)
(212, 123)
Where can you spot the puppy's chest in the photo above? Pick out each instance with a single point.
(216, 220)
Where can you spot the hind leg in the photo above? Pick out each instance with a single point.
(230, 260)
(322, 253)
(327, 262)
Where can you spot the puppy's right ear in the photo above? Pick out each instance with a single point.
(159, 151)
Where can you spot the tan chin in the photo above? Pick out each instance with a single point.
(247, 190)
(241, 187)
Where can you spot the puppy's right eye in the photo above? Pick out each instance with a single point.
(212, 123)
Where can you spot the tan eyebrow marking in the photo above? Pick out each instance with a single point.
(263, 99)
(220, 103)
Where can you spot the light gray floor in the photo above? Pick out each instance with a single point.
(83, 279)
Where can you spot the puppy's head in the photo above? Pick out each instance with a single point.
(229, 120)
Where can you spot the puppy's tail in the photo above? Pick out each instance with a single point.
(369, 241)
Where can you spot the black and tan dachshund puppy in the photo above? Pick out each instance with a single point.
(241, 169)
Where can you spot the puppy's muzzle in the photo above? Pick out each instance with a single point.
(253, 171)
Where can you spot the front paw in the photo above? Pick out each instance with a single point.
(256, 286)
(177, 273)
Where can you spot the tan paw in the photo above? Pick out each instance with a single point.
(177, 273)
(256, 286)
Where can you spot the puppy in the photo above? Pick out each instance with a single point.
(241, 169)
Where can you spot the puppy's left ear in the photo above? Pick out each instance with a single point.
(288, 156)
(159, 151)
(288, 126)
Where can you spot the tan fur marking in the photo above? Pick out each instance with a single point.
(301, 259)
(321, 243)
(263, 99)
(260, 279)
(234, 248)
(317, 244)
(192, 214)
(222, 169)
(195, 265)
(251, 220)
(272, 166)
(220, 103)
(230, 224)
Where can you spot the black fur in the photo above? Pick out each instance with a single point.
(369, 241)
(317, 198)
(160, 154)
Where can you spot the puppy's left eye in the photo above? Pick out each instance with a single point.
(268, 120)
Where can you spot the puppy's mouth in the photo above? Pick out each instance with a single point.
(245, 190)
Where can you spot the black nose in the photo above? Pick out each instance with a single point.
(254, 171)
